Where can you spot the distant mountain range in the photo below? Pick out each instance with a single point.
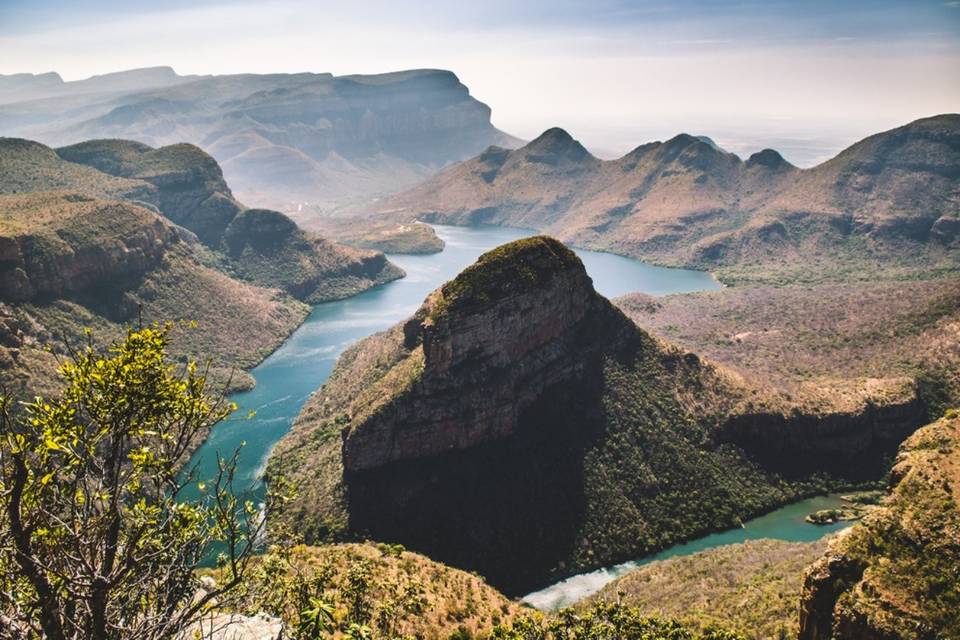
(889, 203)
(284, 140)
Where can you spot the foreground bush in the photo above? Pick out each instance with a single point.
(94, 540)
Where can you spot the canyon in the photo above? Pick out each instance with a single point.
(518, 413)
(99, 234)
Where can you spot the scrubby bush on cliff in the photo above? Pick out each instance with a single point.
(603, 622)
(379, 591)
(94, 540)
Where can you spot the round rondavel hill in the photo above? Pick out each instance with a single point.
(521, 426)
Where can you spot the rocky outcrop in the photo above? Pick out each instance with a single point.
(896, 574)
(86, 243)
(186, 186)
(521, 426)
(189, 185)
(493, 342)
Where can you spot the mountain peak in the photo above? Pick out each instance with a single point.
(511, 269)
(709, 141)
(681, 140)
(553, 135)
(769, 158)
(553, 145)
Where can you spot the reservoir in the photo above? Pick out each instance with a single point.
(287, 377)
(301, 365)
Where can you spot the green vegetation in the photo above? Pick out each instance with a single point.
(94, 540)
(512, 269)
(751, 588)
(266, 247)
(827, 346)
(237, 324)
(100, 254)
(897, 573)
(412, 238)
(379, 589)
(829, 516)
(131, 159)
(604, 621)
(27, 167)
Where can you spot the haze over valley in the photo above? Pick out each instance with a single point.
(623, 320)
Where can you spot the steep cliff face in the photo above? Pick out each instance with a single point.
(488, 353)
(896, 574)
(56, 244)
(186, 186)
(519, 425)
(282, 139)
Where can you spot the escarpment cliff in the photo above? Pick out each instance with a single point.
(521, 426)
(283, 140)
(186, 186)
(896, 574)
(54, 244)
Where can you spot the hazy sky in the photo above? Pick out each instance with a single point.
(805, 77)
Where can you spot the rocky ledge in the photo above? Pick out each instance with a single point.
(896, 574)
(54, 244)
(519, 321)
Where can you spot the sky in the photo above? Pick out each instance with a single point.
(807, 77)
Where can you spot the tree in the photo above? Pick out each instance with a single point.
(95, 541)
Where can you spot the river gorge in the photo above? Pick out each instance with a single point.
(285, 380)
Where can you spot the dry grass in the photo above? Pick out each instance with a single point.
(903, 558)
(405, 594)
(823, 345)
(752, 587)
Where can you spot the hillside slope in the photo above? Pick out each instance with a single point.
(187, 186)
(88, 241)
(751, 587)
(825, 345)
(896, 575)
(519, 425)
(393, 591)
(70, 263)
(886, 206)
(283, 140)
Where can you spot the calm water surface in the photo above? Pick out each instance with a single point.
(287, 378)
(786, 523)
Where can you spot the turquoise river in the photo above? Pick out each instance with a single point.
(287, 377)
